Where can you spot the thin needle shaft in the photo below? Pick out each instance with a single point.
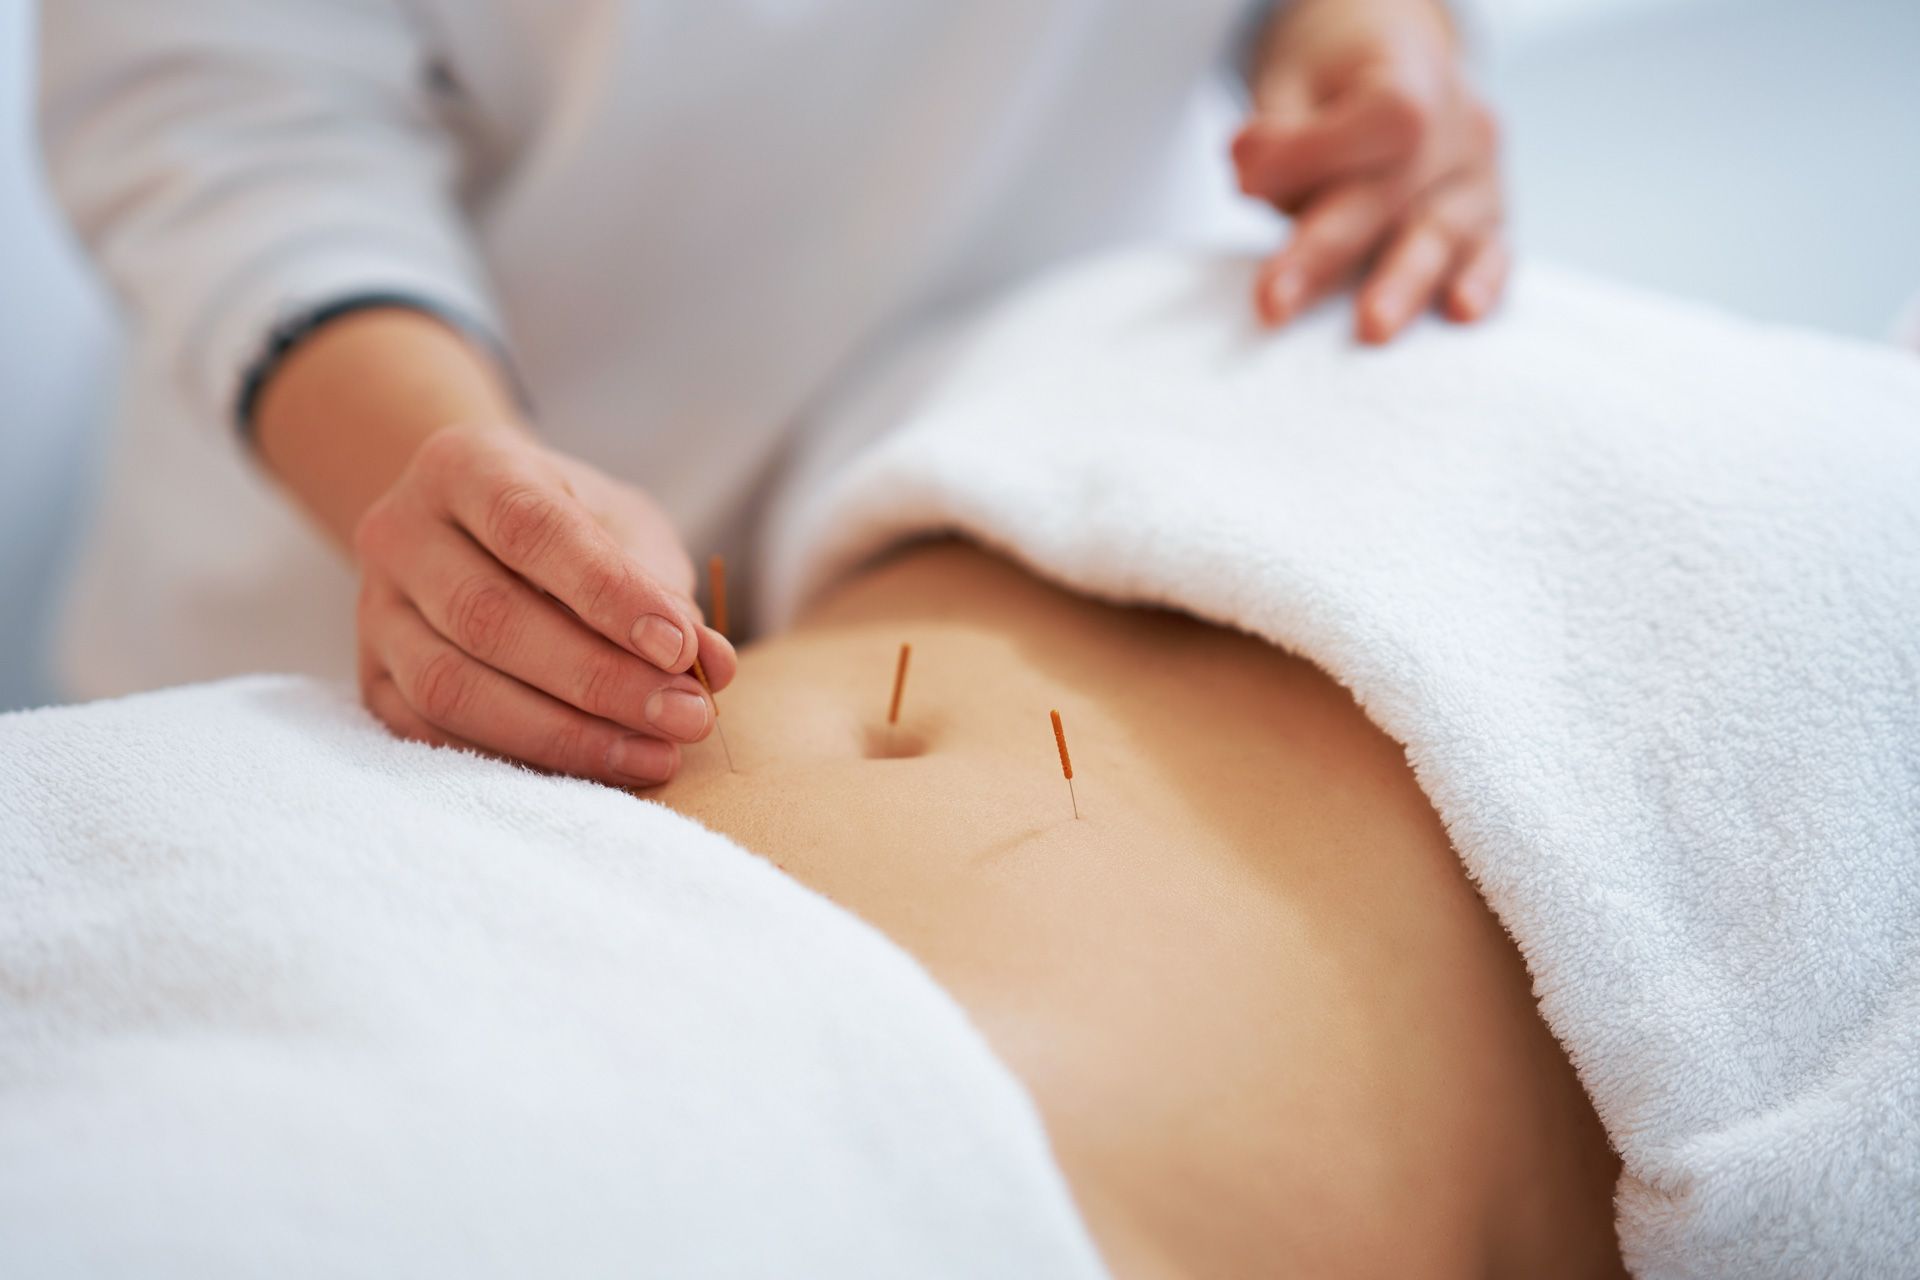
(700, 674)
(899, 687)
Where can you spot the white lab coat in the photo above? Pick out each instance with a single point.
(682, 221)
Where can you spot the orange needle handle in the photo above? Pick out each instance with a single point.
(899, 683)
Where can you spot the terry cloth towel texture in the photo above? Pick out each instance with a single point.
(281, 995)
(1637, 585)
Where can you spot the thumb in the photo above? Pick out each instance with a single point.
(1281, 102)
(1373, 125)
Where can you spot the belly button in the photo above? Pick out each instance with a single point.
(893, 742)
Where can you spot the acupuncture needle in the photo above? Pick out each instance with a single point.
(700, 674)
(1066, 761)
(899, 687)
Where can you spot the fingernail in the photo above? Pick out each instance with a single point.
(659, 641)
(645, 761)
(711, 644)
(677, 713)
(1383, 314)
(1286, 291)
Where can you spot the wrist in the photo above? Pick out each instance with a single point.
(342, 413)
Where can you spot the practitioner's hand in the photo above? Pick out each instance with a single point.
(521, 603)
(1366, 131)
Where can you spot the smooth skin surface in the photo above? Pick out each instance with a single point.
(1270, 1024)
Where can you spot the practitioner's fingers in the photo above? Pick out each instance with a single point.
(717, 658)
(1372, 127)
(456, 695)
(1442, 230)
(1359, 108)
(382, 697)
(507, 599)
(1405, 282)
(499, 620)
(1476, 287)
(532, 523)
(1331, 241)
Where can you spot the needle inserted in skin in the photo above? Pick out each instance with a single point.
(700, 674)
(717, 591)
(1066, 761)
(899, 686)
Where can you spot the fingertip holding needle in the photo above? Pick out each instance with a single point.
(700, 674)
(1066, 761)
(899, 687)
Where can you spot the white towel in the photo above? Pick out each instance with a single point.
(1638, 587)
(282, 996)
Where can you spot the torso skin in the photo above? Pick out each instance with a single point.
(1269, 1023)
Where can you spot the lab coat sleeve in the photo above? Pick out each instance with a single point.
(233, 165)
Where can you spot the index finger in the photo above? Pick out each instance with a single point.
(541, 532)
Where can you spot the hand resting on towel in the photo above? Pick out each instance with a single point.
(1366, 131)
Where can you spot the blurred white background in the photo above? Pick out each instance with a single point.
(1760, 154)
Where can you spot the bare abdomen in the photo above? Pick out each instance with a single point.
(1270, 1024)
